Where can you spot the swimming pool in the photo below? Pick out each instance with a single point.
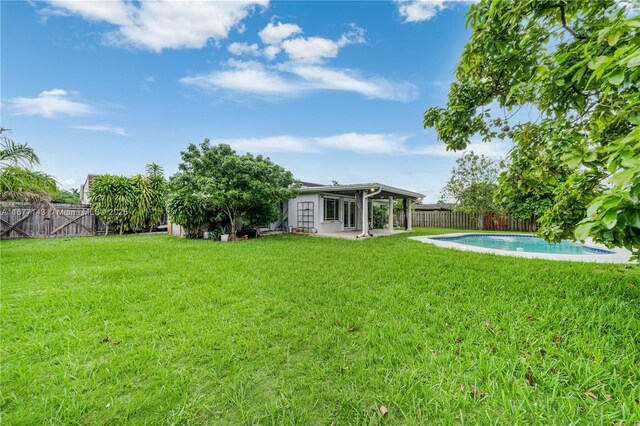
(527, 245)
(523, 243)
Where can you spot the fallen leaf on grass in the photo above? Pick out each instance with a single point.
(557, 339)
(598, 382)
(352, 328)
(487, 326)
(590, 394)
(608, 396)
(477, 393)
(530, 379)
(492, 348)
(383, 410)
(462, 388)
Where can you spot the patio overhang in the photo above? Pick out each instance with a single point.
(386, 191)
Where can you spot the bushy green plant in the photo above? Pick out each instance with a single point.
(380, 216)
(113, 199)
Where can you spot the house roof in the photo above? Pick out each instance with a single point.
(309, 184)
(430, 207)
(387, 191)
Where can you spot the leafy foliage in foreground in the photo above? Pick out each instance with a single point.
(576, 64)
(301, 330)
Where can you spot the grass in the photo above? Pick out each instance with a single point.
(299, 330)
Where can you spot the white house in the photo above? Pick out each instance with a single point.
(335, 209)
(329, 209)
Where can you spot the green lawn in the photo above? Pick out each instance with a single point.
(299, 330)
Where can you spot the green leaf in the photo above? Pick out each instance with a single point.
(617, 78)
(593, 208)
(582, 231)
(634, 61)
(634, 22)
(610, 219)
(633, 217)
(623, 177)
(613, 38)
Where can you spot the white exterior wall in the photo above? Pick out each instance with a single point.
(293, 208)
(320, 225)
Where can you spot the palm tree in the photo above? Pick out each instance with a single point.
(15, 154)
(17, 181)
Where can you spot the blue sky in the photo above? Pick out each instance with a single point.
(329, 90)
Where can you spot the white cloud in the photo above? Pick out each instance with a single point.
(161, 24)
(423, 10)
(368, 143)
(275, 34)
(49, 104)
(324, 78)
(361, 143)
(270, 52)
(100, 128)
(249, 77)
(286, 80)
(69, 183)
(317, 49)
(244, 49)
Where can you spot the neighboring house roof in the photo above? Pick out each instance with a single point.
(309, 184)
(432, 207)
(387, 191)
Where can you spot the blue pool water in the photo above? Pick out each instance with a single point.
(526, 243)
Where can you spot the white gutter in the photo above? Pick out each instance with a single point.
(365, 212)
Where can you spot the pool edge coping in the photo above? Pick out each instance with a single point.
(619, 255)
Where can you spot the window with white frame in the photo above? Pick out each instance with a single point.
(331, 209)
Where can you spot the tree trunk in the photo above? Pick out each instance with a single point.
(121, 228)
(234, 229)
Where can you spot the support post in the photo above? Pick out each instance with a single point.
(409, 214)
(365, 214)
(390, 213)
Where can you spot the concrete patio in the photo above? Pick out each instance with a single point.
(353, 235)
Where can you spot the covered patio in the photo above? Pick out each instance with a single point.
(347, 211)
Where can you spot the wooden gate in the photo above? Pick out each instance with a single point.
(56, 220)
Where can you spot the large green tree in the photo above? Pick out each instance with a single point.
(240, 186)
(472, 185)
(575, 64)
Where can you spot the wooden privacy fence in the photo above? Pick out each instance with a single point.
(56, 220)
(460, 220)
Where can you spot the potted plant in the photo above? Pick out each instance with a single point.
(222, 234)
